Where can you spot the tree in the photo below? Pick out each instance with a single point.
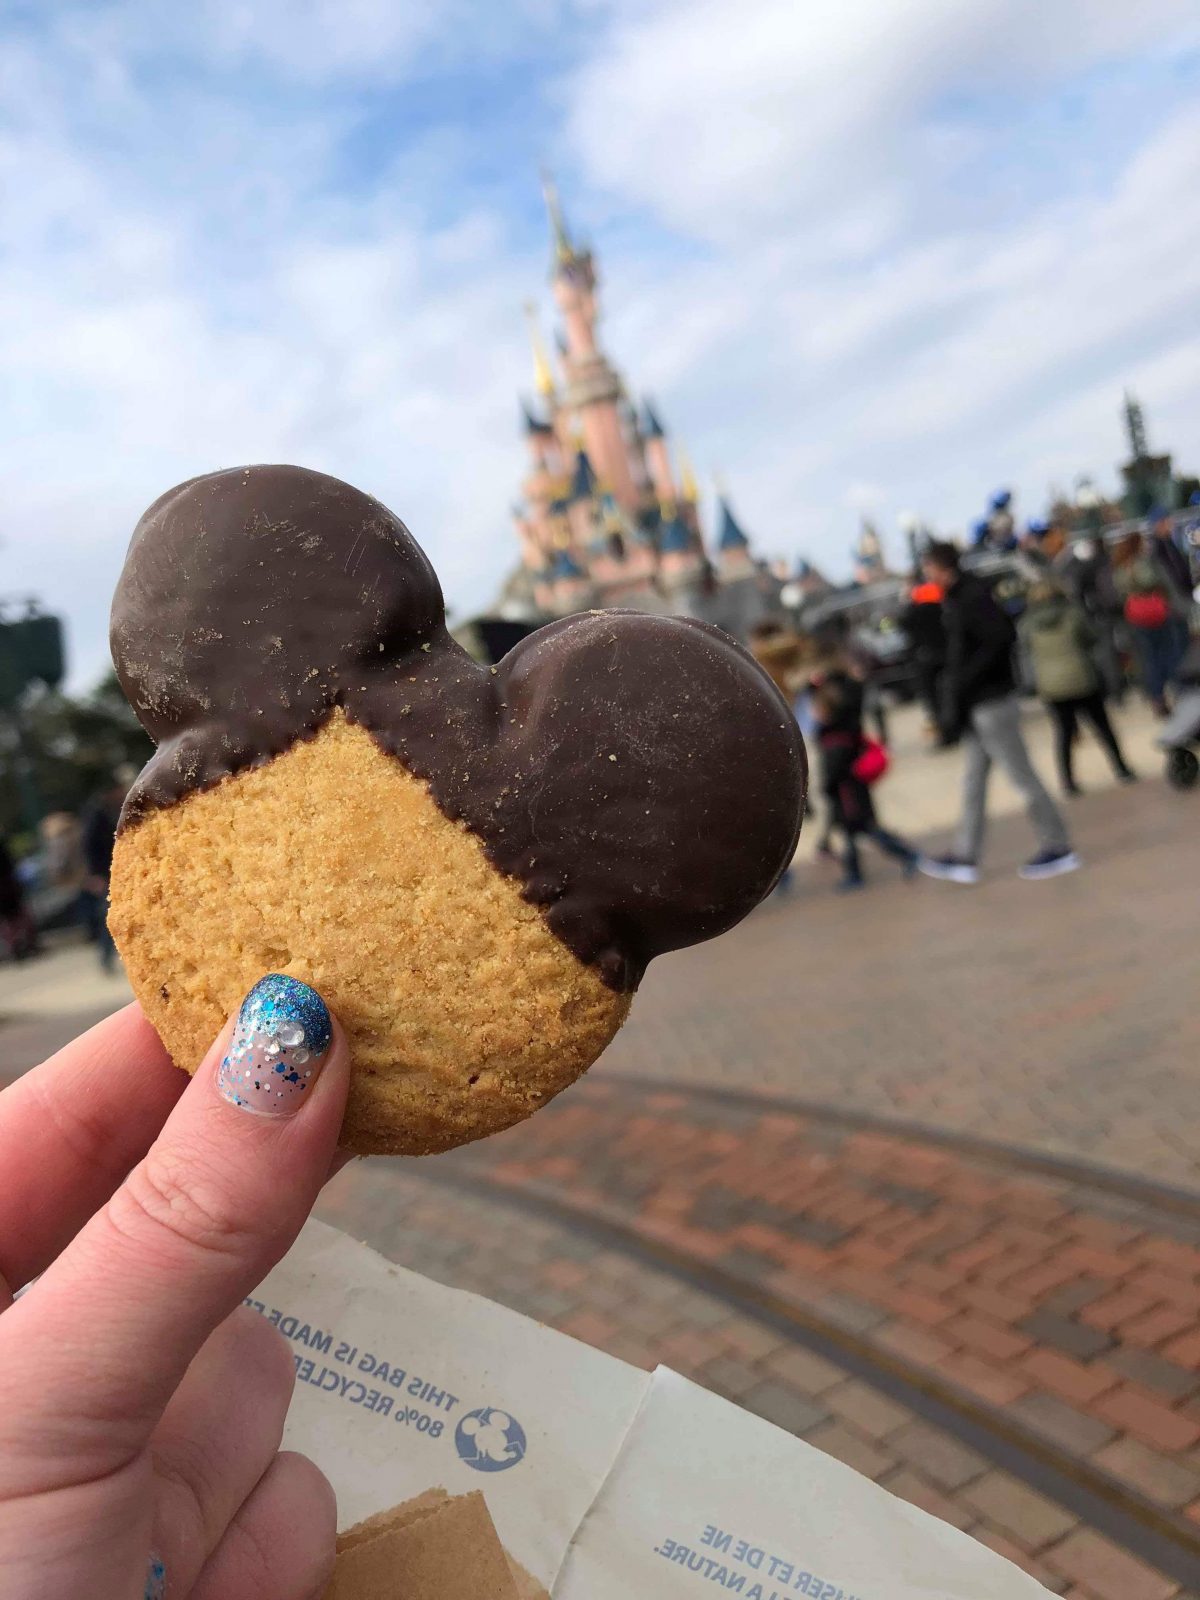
(61, 749)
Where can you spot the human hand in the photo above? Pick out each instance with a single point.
(141, 1405)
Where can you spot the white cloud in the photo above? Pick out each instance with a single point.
(725, 118)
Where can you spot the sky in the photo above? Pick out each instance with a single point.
(868, 256)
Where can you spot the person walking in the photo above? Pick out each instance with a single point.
(921, 621)
(980, 704)
(1060, 642)
(1168, 555)
(1155, 609)
(99, 837)
(1084, 570)
(18, 933)
(838, 705)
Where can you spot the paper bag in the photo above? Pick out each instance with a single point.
(588, 1479)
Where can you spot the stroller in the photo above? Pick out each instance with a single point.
(1179, 735)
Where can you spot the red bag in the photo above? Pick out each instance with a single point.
(872, 762)
(1147, 610)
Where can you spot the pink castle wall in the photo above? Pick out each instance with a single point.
(606, 451)
(659, 463)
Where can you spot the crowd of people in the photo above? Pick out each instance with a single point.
(1085, 617)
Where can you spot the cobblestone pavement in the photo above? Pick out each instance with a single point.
(1062, 1016)
(646, 1316)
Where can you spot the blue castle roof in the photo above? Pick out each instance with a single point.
(566, 566)
(583, 480)
(730, 536)
(651, 426)
(533, 423)
(674, 536)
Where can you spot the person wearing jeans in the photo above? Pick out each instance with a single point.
(981, 706)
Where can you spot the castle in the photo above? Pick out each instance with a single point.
(606, 517)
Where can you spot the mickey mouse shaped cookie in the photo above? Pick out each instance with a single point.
(472, 865)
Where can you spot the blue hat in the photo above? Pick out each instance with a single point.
(1001, 499)
(1037, 527)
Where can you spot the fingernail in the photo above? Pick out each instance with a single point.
(279, 1044)
(156, 1580)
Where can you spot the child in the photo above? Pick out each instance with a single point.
(838, 704)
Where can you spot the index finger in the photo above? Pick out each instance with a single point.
(71, 1129)
(90, 1357)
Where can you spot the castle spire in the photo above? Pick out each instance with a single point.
(651, 426)
(583, 478)
(533, 424)
(564, 250)
(731, 535)
(689, 488)
(543, 376)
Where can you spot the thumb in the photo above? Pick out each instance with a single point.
(107, 1333)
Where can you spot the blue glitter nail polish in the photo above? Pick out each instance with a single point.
(279, 1043)
(156, 1580)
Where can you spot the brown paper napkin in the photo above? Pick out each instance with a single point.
(430, 1548)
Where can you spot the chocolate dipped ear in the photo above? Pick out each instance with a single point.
(659, 783)
(639, 775)
(251, 598)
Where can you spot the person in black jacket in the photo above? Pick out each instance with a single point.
(1169, 556)
(17, 930)
(99, 837)
(921, 619)
(980, 704)
(838, 703)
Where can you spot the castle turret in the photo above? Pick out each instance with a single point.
(569, 581)
(592, 389)
(539, 483)
(681, 559)
(869, 565)
(581, 506)
(733, 547)
(658, 459)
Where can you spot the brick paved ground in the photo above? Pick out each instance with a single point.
(1061, 1016)
(646, 1317)
(1074, 1313)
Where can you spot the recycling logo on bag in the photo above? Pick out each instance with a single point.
(490, 1440)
